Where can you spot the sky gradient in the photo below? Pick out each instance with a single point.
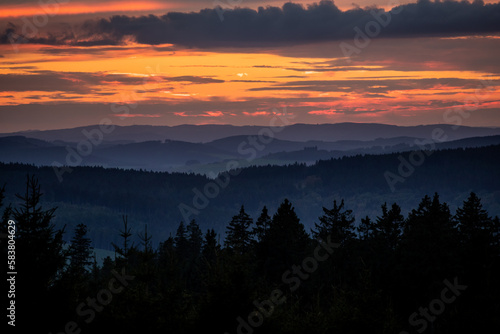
(75, 63)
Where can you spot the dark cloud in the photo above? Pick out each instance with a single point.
(266, 66)
(375, 85)
(82, 82)
(382, 96)
(47, 82)
(265, 81)
(81, 50)
(194, 79)
(15, 35)
(473, 53)
(18, 67)
(290, 76)
(333, 69)
(290, 25)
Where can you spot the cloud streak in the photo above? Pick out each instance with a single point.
(81, 82)
(377, 86)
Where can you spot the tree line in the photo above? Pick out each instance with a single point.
(97, 196)
(380, 274)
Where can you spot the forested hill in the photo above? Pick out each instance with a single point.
(97, 196)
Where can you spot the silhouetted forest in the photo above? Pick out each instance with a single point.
(99, 196)
(433, 271)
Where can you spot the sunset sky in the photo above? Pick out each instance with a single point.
(73, 63)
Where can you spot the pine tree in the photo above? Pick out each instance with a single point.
(125, 234)
(366, 229)
(495, 228)
(75, 282)
(4, 220)
(181, 242)
(146, 241)
(146, 269)
(40, 258)
(429, 247)
(336, 223)
(166, 252)
(285, 243)
(431, 223)
(7, 210)
(479, 259)
(80, 252)
(211, 247)
(261, 225)
(168, 262)
(238, 238)
(389, 226)
(210, 255)
(477, 237)
(473, 221)
(383, 247)
(195, 239)
(2, 195)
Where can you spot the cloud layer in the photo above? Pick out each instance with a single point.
(290, 25)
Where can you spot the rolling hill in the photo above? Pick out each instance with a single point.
(206, 158)
(295, 132)
(98, 196)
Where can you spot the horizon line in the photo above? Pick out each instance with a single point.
(248, 125)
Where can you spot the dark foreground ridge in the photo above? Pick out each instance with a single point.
(432, 271)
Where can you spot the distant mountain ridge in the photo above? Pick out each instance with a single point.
(208, 158)
(296, 132)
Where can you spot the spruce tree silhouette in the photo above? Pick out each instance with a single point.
(261, 225)
(126, 249)
(285, 243)
(336, 223)
(389, 226)
(238, 238)
(181, 242)
(40, 259)
(195, 239)
(80, 252)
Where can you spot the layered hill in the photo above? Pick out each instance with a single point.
(98, 196)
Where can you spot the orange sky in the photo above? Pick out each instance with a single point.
(78, 7)
(396, 81)
(19, 8)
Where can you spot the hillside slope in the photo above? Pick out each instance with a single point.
(98, 196)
